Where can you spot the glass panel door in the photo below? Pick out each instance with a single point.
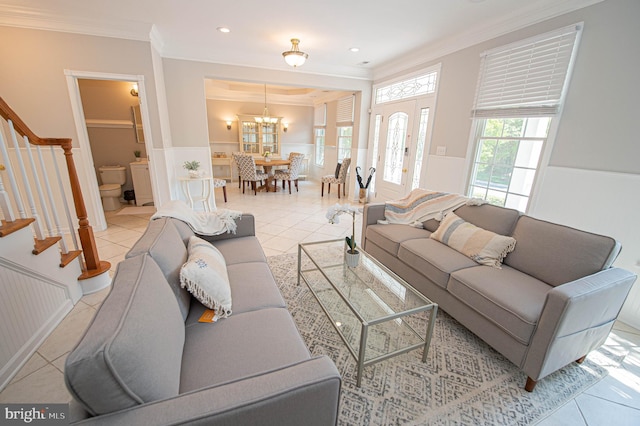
(395, 151)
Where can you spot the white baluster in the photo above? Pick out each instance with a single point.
(37, 226)
(65, 203)
(12, 179)
(43, 205)
(5, 202)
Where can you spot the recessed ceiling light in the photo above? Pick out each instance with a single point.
(223, 30)
(354, 49)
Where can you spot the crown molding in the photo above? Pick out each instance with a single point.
(490, 30)
(26, 17)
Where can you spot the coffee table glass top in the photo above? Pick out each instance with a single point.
(367, 303)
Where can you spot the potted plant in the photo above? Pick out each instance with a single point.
(267, 155)
(352, 255)
(192, 167)
(136, 154)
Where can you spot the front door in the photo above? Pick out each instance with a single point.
(393, 176)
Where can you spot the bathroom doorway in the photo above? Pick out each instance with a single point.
(109, 133)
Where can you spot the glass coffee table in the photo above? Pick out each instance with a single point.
(375, 312)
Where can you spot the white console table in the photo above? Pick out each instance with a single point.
(206, 191)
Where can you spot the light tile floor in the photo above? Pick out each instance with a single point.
(283, 220)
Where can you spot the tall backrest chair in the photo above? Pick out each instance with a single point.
(292, 173)
(340, 180)
(248, 173)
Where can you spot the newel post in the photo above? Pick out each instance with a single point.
(94, 266)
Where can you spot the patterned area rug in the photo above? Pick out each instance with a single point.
(463, 382)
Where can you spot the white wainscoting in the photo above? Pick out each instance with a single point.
(31, 306)
(602, 202)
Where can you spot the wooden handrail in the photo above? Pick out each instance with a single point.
(94, 266)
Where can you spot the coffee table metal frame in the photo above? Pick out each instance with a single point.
(359, 357)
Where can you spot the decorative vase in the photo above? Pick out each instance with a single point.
(352, 259)
(267, 159)
(194, 174)
(138, 159)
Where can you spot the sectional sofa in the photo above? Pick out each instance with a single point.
(147, 360)
(554, 299)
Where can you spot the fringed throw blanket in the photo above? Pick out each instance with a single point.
(203, 223)
(422, 204)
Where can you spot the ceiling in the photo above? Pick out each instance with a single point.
(391, 35)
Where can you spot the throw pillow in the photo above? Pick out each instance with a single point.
(338, 170)
(205, 276)
(485, 247)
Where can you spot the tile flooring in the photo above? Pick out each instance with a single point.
(282, 220)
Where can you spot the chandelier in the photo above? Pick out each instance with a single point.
(266, 119)
(295, 57)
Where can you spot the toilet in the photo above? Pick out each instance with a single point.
(112, 177)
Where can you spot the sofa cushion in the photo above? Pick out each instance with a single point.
(239, 346)
(137, 333)
(485, 247)
(389, 237)
(248, 293)
(496, 219)
(205, 276)
(557, 254)
(433, 259)
(240, 250)
(164, 244)
(507, 297)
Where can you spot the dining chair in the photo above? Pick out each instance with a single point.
(340, 180)
(248, 173)
(291, 174)
(221, 183)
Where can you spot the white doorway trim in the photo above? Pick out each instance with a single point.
(92, 198)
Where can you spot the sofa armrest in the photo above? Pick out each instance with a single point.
(246, 228)
(304, 393)
(370, 216)
(576, 319)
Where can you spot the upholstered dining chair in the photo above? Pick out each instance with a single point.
(259, 169)
(221, 183)
(248, 173)
(340, 180)
(291, 174)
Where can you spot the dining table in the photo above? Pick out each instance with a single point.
(268, 165)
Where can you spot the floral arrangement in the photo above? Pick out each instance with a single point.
(266, 154)
(191, 165)
(333, 214)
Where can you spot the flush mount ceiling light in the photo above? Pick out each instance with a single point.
(266, 119)
(295, 57)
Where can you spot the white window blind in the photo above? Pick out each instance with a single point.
(527, 78)
(320, 115)
(344, 115)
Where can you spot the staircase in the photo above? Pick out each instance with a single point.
(43, 270)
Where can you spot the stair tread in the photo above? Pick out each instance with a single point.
(8, 228)
(66, 258)
(42, 245)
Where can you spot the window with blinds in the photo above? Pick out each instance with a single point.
(520, 91)
(526, 78)
(320, 115)
(344, 114)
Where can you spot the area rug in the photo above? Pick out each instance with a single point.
(137, 210)
(463, 382)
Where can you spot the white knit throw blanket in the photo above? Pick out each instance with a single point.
(203, 223)
(423, 204)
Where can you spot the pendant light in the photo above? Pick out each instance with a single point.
(265, 119)
(295, 57)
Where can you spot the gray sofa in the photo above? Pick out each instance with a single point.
(554, 300)
(146, 360)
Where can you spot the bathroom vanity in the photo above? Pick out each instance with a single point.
(141, 182)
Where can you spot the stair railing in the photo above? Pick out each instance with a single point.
(26, 177)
